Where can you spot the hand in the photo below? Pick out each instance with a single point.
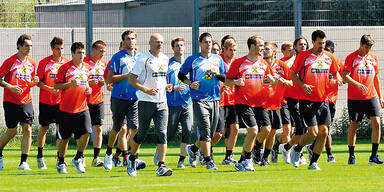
(270, 78)
(362, 87)
(88, 90)
(110, 86)
(16, 89)
(101, 82)
(36, 80)
(93, 81)
(179, 88)
(75, 82)
(195, 85)
(239, 82)
(213, 70)
(54, 91)
(381, 100)
(308, 88)
(152, 91)
(169, 88)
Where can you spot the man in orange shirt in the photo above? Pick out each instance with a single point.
(49, 97)
(17, 77)
(97, 66)
(72, 79)
(310, 72)
(362, 75)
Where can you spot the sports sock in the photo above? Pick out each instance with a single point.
(1, 152)
(194, 148)
(266, 153)
(351, 150)
(181, 158)
(242, 158)
(212, 151)
(257, 145)
(207, 159)
(160, 163)
(228, 153)
(287, 146)
(23, 158)
(247, 155)
(298, 148)
(125, 154)
(276, 146)
(137, 155)
(132, 157)
(329, 151)
(109, 151)
(313, 144)
(39, 152)
(117, 153)
(315, 157)
(375, 146)
(78, 155)
(61, 160)
(96, 152)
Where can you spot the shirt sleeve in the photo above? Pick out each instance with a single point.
(233, 70)
(298, 64)
(114, 65)
(186, 67)
(348, 63)
(139, 66)
(105, 75)
(41, 69)
(60, 77)
(4, 69)
(222, 68)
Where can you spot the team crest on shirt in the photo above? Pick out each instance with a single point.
(98, 73)
(83, 78)
(256, 73)
(319, 67)
(54, 71)
(364, 68)
(208, 75)
(23, 73)
(160, 72)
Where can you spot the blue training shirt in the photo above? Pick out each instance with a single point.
(122, 62)
(176, 98)
(197, 65)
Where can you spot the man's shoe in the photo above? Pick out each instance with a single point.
(309, 151)
(155, 158)
(181, 165)
(211, 165)
(239, 166)
(314, 166)
(375, 160)
(286, 154)
(229, 161)
(62, 168)
(24, 167)
(201, 157)
(264, 163)
(131, 168)
(274, 156)
(248, 165)
(41, 164)
(78, 164)
(116, 161)
(295, 158)
(256, 156)
(97, 162)
(108, 162)
(302, 160)
(163, 171)
(191, 156)
(351, 160)
(140, 164)
(331, 159)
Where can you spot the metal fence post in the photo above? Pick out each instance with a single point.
(89, 25)
(297, 6)
(195, 27)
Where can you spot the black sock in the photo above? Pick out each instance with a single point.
(287, 146)
(375, 146)
(160, 163)
(57, 155)
(61, 160)
(39, 152)
(315, 157)
(96, 152)
(247, 155)
(1, 152)
(266, 153)
(137, 155)
(23, 158)
(298, 148)
(129, 149)
(207, 159)
(351, 150)
(124, 154)
(132, 157)
(194, 148)
(181, 158)
(78, 155)
(257, 145)
(329, 152)
(242, 158)
(228, 153)
(118, 151)
(276, 146)
(109, 151)
(313, 144)
(212, 151)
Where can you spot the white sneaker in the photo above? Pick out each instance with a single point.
(181, 165)
(41, 164)
(295, 158)
(97, 162)
(201, 157)
(163, 171)
(131, 168)
(78, 164)
(140, 164)
(314, 166)
(2, 163)
(191, 156)
(309, 151)
(24, 167)
(211, 165)
(62, 168)
(239, 166)
(302, 160)
(155, 158)
(108, 164)
(248, 165)
(286, 154)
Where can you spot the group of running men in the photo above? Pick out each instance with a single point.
(213, 91)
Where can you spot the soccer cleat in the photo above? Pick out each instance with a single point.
(62, 168)
(116, 161)
(41, 164)
(375, 160)
(314, 166)
(274, 156)
(140, 164)
(295, 158)
(239, 166)
(155, 158)
(201, 157)
(131, 168)
(163, 171)
(83, 161)
(108, 162)
(181, 165)
(351, 160)
(331, 159)
(248, 165)
(1, 162)
(302, 160)
(256, 156)
(24, 167)
(286, 154)
(78, 164)
(309, 151)
(229, 161)
(97, 162)
(211, 165)
(264, 163)
(191, 156)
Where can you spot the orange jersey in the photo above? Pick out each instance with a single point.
(313, 70)
(47, 71)
(274, 94)
(21, 73)
(291, 92)
(254, 76)
(227, 97)
(363, 70)
(106, 70)
(333, 87)
(73, 99)
(96, 71)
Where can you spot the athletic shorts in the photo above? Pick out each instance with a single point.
(315, 113)
(206, 117)
(15, 114)
(74, 123)
(252, 116)
(227, 117)
(358, 108)
(48, 114)
(124, 112)
(275, 119)
(97, 113)
(182, 115)
(284, 113)
(295, 116)
(332, 110)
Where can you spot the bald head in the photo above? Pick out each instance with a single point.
(156, 42)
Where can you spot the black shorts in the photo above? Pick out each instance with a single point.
(124, 112)
(295, 116)
(74, 123)
(227, 117)
(315, 113)
(332, 110)
(48, 114)
(275, 119)
(97, 113)
(252, 116)
(358, 108)
(15, 114)
(284, 114)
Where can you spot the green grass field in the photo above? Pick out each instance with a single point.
(277, 177)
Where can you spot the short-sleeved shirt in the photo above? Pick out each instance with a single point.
(291, 92)
(333, 87)
(254, 73)
(121, 63)
(21, 73)
(106, 70)
(197, 66)
(313, 70)
(227, 97)
(274, 94)
(73, 99)
(363, 70)
(151, 71)
(96, 71)
(47, 71)
(177, 98)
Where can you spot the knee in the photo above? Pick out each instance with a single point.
(313, 132)
(12, 132)
(218, 134)
(252, 132)
(323, 132)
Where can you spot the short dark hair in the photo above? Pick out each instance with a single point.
(300, 38)
(318, 34)
(56, 41)
(330, 46)
(225, 38)
(97, 43)
(203, 35)
(77, 45)
(252, 40)
(127, 32)
(367, 39)
(176, 39)
(21, 40)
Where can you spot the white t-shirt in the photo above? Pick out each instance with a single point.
(152, 73)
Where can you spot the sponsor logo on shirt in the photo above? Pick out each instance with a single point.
(159, 74)
(208, 75)
(319, 68)
(23, 73)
